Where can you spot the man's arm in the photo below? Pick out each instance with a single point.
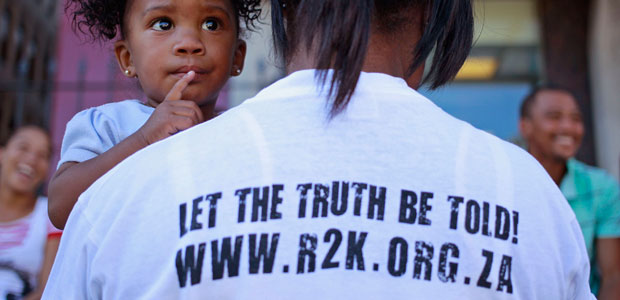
(608, 260)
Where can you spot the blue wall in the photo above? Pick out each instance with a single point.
(493, 107)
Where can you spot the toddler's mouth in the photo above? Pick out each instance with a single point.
(185, 69)
(25, 170)
(180, 72)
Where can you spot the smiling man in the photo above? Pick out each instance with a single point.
(552, 126)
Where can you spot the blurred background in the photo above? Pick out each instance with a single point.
(48, 73)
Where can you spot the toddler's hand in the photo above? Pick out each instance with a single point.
(173, 114)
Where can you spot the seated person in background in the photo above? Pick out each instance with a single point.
(28, 240)
(551, 125)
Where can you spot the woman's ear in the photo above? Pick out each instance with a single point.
(123, 58)
(238, 58)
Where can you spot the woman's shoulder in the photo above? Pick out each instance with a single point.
(40, 207)
(41, 213)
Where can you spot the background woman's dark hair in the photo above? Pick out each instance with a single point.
(42, 129)
(103, 19)
(342, 34)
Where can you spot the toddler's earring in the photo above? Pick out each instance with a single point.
(127, 72)
(237, 71)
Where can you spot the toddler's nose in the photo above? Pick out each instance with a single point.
(189, 44)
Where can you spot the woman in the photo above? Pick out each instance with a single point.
(28, 241)
(339, 181)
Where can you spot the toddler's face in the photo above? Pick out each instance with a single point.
(168, 38)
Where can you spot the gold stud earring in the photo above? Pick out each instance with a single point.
(238, 71)
(127, 72)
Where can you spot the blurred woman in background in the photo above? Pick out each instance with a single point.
(28, 241)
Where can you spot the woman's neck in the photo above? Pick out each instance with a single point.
(379, 59)
(388, 53)
(14, 205)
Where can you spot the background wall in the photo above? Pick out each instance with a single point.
(605, 82)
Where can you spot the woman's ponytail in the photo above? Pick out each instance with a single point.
(278, 28)
(340, 34)
(449, 30)
(337, 32)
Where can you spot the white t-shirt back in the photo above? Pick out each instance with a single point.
(392, 199)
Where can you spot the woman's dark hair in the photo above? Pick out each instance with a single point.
(342, 30)
(44, 130)
(103, 19)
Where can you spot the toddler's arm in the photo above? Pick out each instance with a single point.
(73, 178)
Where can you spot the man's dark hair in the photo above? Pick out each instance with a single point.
(526, 106)
(340, 32)
(104, 19)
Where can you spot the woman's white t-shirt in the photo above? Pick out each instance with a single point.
(22, 248)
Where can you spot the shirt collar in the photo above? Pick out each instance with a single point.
(304, 82)
(570, 185)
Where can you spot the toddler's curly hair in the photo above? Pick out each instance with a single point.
(103, 19)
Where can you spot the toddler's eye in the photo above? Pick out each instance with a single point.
(162, 25)
(210, 25)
